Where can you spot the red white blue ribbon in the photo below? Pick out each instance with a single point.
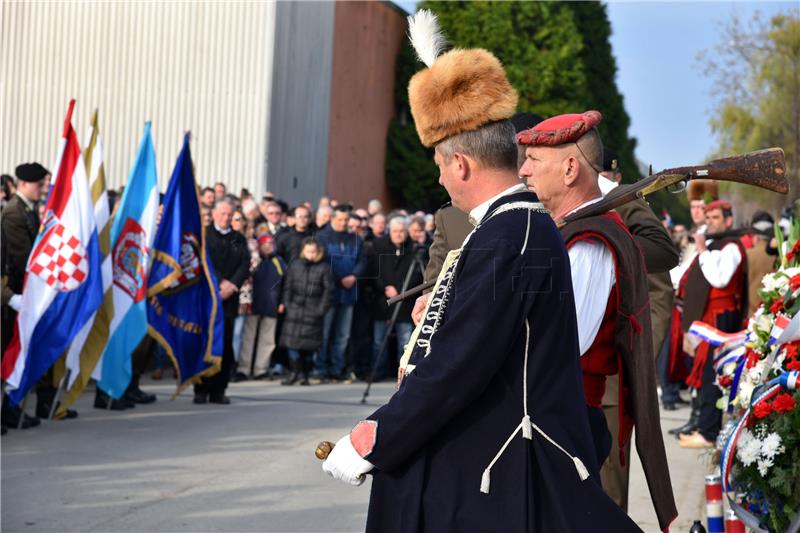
(713, 336)
(787, 380)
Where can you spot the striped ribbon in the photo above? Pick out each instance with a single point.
(786, 380)
(714, 336)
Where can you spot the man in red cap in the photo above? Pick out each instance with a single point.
(564, 155)
(713, 289)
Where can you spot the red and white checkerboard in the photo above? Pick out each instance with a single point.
(62, 261)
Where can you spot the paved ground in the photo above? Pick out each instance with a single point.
(174, 466)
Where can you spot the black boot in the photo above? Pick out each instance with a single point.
(694, 419)
(136, 395)
(44, 401)
(308, 364)
(11, 415)
(101, 401)
(294, 372)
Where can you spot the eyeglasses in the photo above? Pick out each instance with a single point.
(237, 219)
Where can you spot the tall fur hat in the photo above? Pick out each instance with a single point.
(460, 90)
(705, 190)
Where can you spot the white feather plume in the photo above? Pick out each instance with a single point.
(426, 36)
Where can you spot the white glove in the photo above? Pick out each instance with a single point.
(345, 464)
(15, 301)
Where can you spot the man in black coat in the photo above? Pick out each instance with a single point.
(230, 259)
(289, 242)
(488, 430)
(395, 256)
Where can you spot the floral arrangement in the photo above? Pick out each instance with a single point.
(763, 462)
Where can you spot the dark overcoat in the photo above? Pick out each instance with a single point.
(453, 413)
(391, 267)
(307, 296)
(20, 227)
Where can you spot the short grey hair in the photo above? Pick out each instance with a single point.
(493, 146)
(403, 221)
(225, 200)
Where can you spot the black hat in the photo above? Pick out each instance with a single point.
(610, 163)
(763, 224)
(525, 121)
(31, 172)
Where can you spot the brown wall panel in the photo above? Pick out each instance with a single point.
(367, 38)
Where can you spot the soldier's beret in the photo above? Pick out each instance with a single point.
(561, 129)
(719, 204)
(31, 172)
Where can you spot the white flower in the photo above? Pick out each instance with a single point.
(790, 273)
(771, 446)
(748, 448)
(745, 392)
(764, 466)
(754, 374)
(771, 282)
(764, 323)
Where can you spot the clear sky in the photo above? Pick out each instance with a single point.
(666, 94)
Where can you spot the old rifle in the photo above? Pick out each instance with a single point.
(764, 168)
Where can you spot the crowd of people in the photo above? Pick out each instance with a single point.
(303, 288)
(309, 301)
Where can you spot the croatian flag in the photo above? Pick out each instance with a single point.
(63, 281)
(131, 240)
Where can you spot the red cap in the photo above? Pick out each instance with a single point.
(264, 237)
(719, 204)
(560, 129)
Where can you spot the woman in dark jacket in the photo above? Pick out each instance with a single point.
(307, 296)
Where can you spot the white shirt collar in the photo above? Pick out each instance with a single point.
(584, 204)
(605, 184)
(223, 231)
(477, 214)
(25, 200)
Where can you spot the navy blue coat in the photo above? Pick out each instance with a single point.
(344, 252)
(267, 285)
(454, 412)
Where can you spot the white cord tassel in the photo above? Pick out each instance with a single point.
(581, 468)
(425, 36)
(485, 481)
(527, 428)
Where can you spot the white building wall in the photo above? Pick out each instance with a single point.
(205, 67)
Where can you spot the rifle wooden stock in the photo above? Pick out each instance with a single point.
(764, 168)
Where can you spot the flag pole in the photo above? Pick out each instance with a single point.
(62, 385)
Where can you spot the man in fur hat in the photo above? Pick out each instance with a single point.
(488, 430)
(564, 155)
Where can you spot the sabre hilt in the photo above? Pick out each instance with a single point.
(324, 449)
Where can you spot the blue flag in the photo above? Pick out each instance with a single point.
(183, 297)
(131, 239)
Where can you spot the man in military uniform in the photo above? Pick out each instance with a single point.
(488, 430)
(563, 159)
(20, 226)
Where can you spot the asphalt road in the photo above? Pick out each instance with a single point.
(249, 466)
